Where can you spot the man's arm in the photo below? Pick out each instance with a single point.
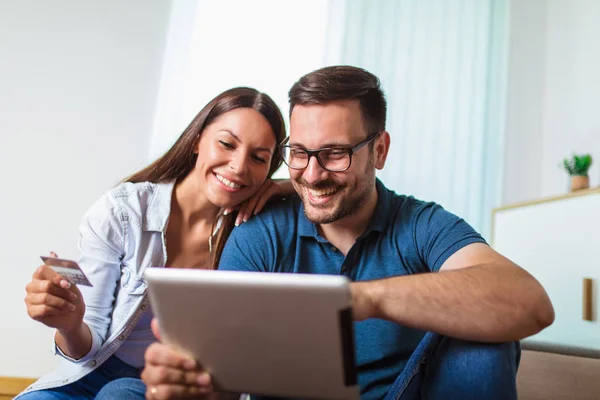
(477, 295)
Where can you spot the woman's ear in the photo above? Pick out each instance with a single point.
(197, 144)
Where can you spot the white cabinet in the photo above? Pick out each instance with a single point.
(558, 241)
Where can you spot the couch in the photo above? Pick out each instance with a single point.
(557, 372)
(546, 373)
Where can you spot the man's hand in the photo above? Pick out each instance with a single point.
(363, 303)
(169, 374)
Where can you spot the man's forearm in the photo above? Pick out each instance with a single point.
(488, 303)
(75, 343)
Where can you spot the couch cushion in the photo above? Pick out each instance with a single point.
(550, 375)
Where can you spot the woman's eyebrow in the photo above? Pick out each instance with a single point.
(237, 138)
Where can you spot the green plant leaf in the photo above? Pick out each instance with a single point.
(578, 165)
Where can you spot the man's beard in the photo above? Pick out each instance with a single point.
(348, 205)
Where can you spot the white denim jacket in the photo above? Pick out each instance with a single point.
(121, 235)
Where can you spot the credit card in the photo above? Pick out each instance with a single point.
(70, 270)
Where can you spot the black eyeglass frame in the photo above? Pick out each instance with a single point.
(315, 153)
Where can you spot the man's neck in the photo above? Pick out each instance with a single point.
(344, 232)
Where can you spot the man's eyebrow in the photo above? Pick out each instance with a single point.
(237, 138)
(325, 146)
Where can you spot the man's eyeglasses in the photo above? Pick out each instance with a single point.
(332, 159)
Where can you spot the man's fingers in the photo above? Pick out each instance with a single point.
(162, 355)
(160, 392)
(172, 375)
(159, 375)
(155, 329)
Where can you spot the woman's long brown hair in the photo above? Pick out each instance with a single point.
(180, 159)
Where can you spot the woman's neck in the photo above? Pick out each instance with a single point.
(190, 203)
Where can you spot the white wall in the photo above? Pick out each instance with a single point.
(525, 102)
(78, 88)
(572, 112)
(554, 82)
(213, 46)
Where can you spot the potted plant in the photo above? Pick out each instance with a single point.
(578, 166)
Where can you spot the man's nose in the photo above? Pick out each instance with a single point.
(314, 172)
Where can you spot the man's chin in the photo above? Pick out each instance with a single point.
(319, 215)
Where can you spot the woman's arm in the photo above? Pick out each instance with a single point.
(74, 343)
(82, 316)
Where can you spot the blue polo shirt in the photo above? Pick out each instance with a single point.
(405, 236)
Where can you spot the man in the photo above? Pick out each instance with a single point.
(415, 267)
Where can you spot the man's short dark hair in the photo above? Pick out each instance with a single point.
(343, 82)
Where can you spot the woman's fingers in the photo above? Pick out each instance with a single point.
(45, 299)
(46, 273)
(39, 312)
(260, 202)
(248, 208)
(51, 287)
(50, 300)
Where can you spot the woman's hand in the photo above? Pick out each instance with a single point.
(270, 189)
(53, 301)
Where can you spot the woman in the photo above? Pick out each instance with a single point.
(168, 214)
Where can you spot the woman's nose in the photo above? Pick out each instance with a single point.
(239, 164)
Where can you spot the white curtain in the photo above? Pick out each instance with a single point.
(442, 64)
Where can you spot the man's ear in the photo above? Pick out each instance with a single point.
(382, 146)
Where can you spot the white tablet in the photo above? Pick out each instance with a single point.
(275, 334)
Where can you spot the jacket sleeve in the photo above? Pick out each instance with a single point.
(101, 245)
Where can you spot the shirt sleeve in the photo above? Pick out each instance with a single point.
(101, 244)
(249, 248)
(438, 234)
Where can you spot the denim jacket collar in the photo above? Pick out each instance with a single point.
(158, 211)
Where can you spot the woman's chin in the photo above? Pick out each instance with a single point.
(225, 201)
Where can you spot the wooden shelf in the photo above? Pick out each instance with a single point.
(583, 192)
(10, 387)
